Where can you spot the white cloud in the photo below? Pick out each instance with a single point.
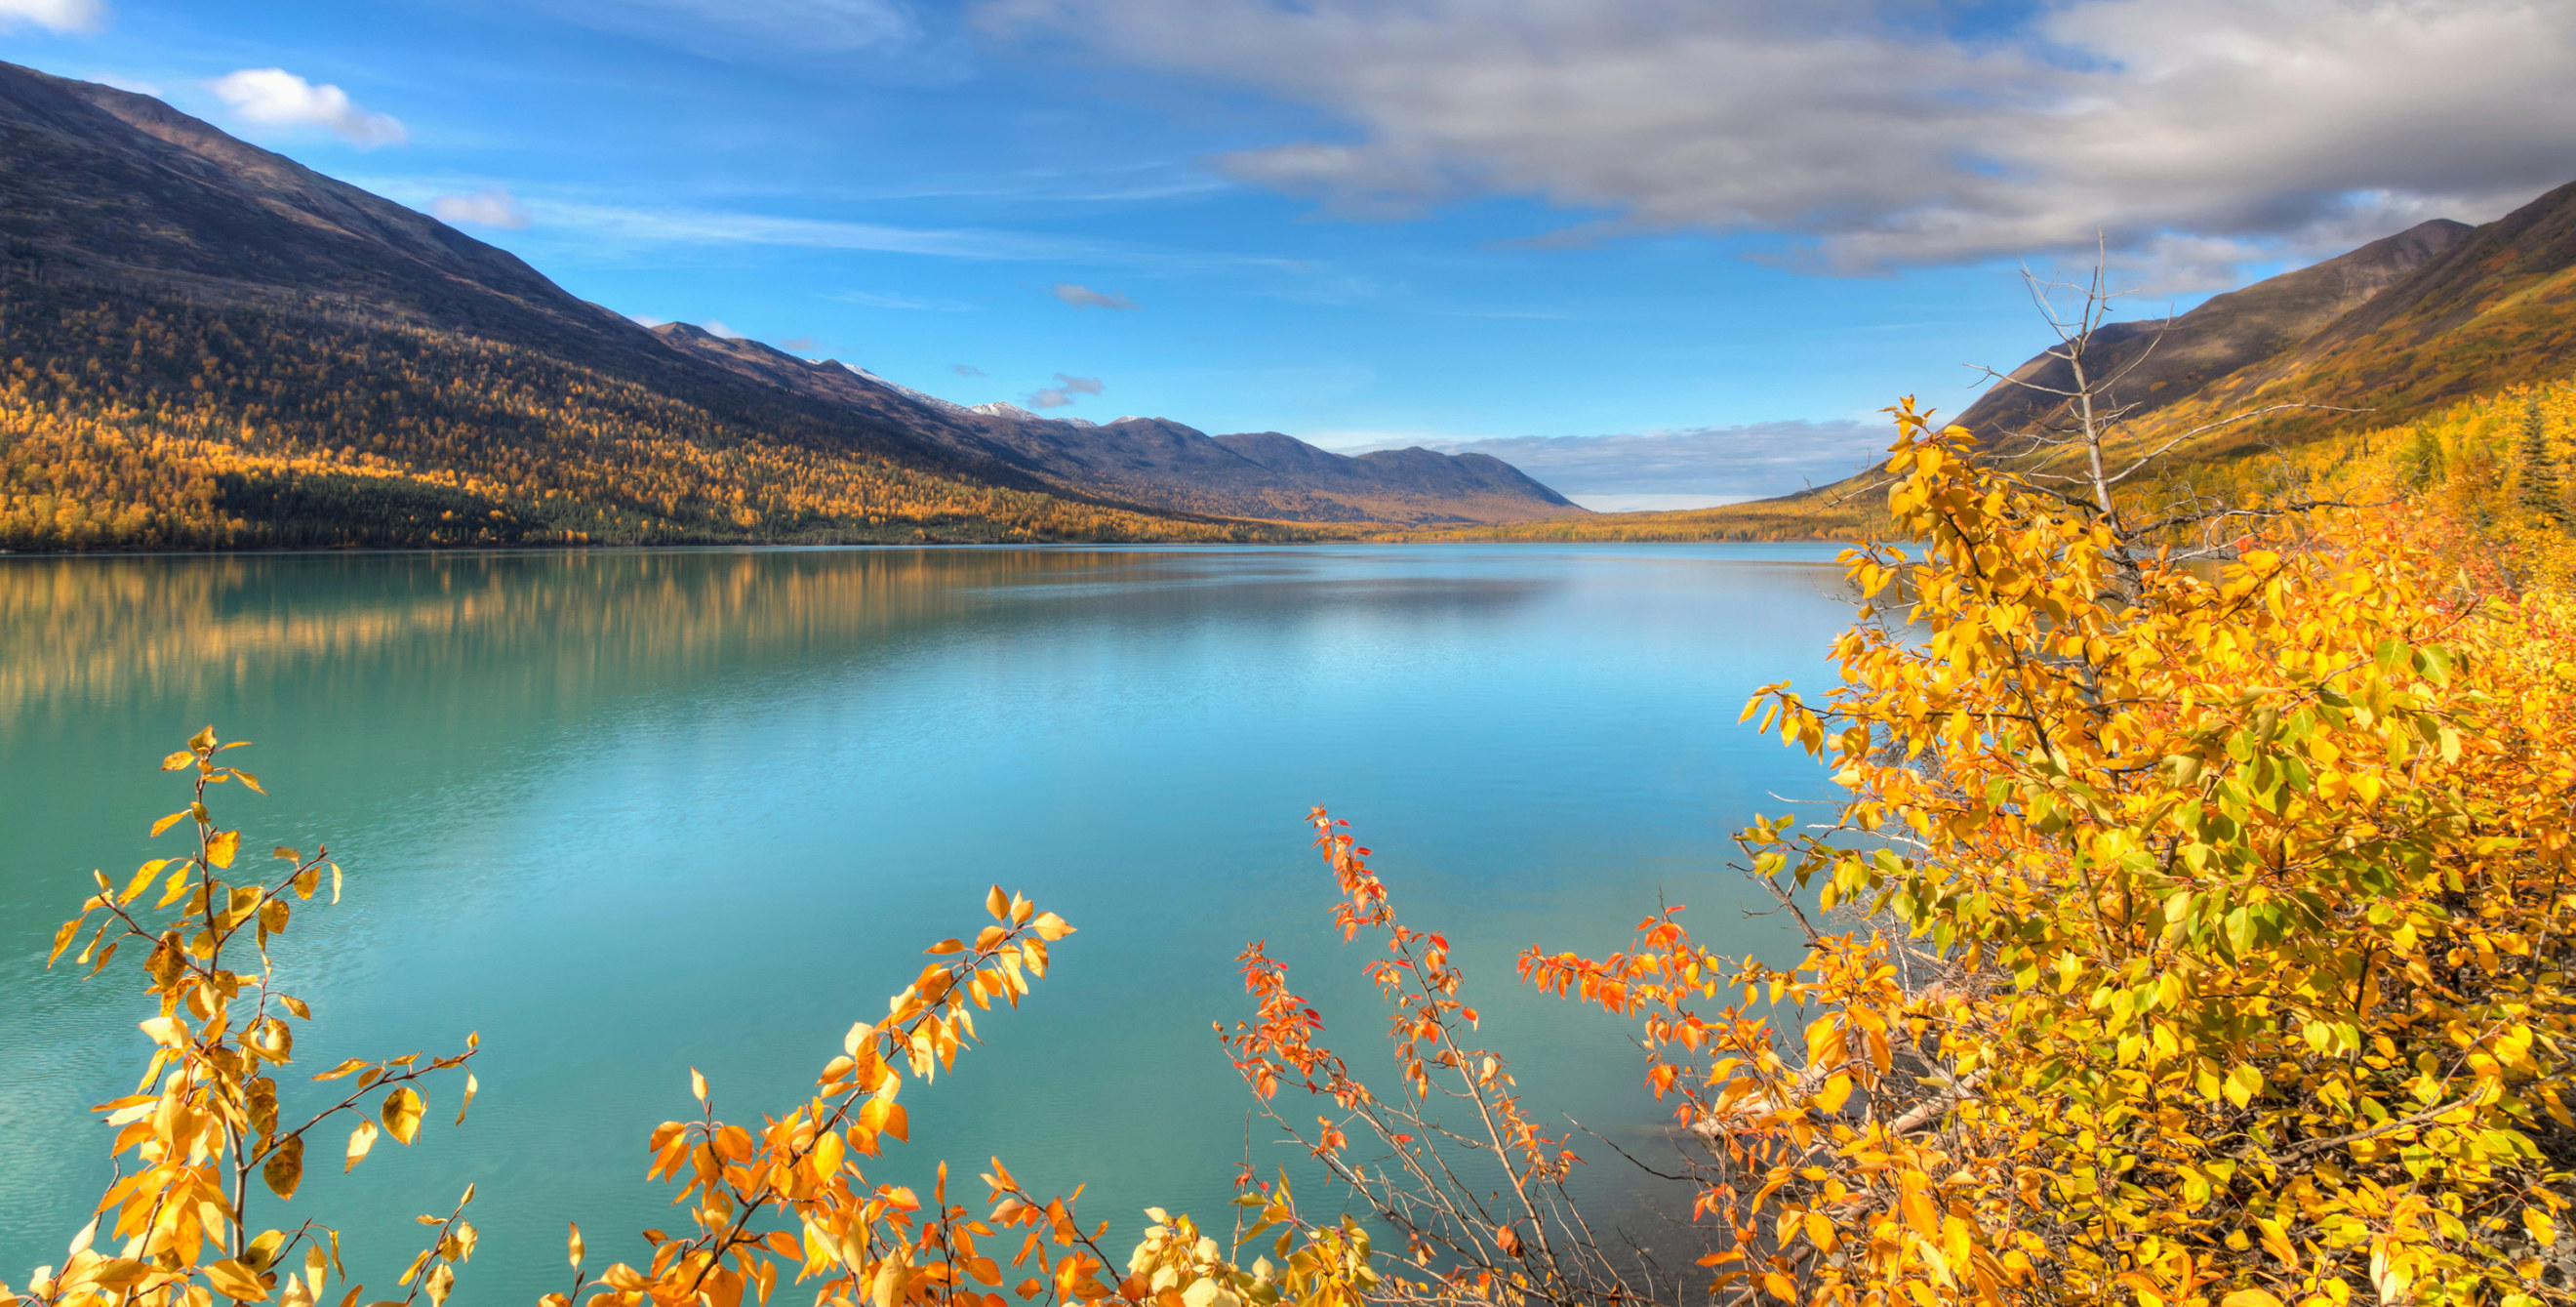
(274, 97)
(1065, 391)
(486, 208)
(1702, 465)
(54, 15)
(716, 327)
(1874, 140)
(1084, 297)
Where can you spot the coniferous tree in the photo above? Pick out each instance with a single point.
(2424, 463)
(2541, 496)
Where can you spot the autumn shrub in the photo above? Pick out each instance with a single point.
(2238, 908)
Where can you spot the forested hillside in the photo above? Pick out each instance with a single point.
(131, 420)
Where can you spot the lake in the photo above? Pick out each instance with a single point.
(625, 813)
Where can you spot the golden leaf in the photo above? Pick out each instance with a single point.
(284, 1168)
(997, 904)
(1831, 1098)
(236, 1281)
(402, 1112)
(221, 848)
(360, 1140)
(470, 1086)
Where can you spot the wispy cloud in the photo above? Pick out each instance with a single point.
(677, 226)
(966, 369)
(1084, 297)
(1065, 391)
(54, 15)
(274, 97)
(493, 207)
(873, 300)
(770, 26)
(1707, 465)
(800, 344)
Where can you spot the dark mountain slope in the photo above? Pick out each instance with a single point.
(118, 193)
(2170, 361)
(124, 186)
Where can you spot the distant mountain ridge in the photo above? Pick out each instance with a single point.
(118, 190)
(1161, 462)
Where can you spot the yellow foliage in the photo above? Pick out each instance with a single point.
(179, 426)
(2246, 893)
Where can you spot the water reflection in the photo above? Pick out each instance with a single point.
(629, 812)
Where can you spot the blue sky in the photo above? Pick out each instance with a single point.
(1723, 232)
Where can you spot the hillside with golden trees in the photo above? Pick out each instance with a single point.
(136, 421)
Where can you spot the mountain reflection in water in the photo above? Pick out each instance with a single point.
(629, 812)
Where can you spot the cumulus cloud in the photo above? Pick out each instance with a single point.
(486, 208)
(716, 327)
(53, 15)
(1084, 297)
(274, 97)
(966, 369)
(1688, 468)
(1872, 138)
(1065, 390)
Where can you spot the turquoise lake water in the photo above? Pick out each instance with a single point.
(629, 812)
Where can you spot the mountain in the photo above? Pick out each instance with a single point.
(2496, 309)
(1158, 462)
(217, 345)
(2168, 360)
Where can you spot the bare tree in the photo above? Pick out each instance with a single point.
(2081, 449)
